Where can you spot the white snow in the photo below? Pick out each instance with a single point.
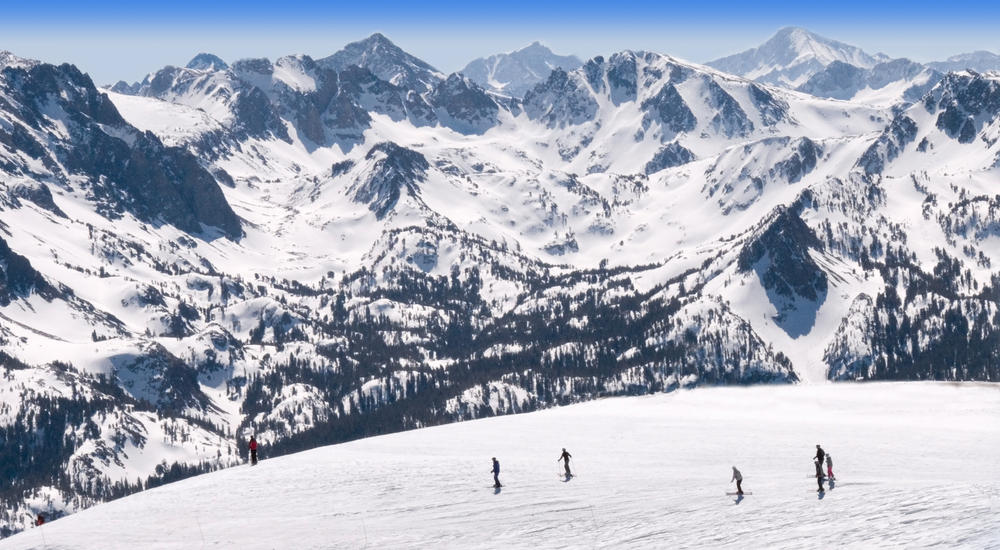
(916, 464)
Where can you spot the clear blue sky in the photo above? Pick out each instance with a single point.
(124, 40)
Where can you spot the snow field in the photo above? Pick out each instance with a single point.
(916, 463)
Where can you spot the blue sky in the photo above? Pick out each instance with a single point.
(115, 40)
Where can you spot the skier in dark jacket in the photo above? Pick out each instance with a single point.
(820, 454)
(40, 521)
(565, 456)
(253, 450)
(496, 472)
(819, 476)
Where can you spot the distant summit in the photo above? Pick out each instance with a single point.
(517, 72)
(207, 62)
(792, 56)
(387, 61)
(980, 61)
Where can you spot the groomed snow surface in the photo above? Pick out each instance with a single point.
(917, 465)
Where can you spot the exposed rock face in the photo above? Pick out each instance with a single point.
(128, 170)
(668, 108)
(394, 169)
(730, 119)
(669, 156)
(795, 284)
(964, 102)
(901, 132)
(561, 100)
(771, 109)
(790, 271)
(463, 106)
(18, 279)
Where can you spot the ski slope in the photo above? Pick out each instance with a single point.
(916, 463)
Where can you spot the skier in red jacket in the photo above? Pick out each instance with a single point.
(253, 450)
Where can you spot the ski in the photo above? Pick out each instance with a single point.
(736, 494)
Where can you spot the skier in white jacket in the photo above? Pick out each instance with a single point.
(738, 478)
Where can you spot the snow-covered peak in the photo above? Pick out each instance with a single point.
(387, 61)
(791, 56)
(516, 72)
(8, 59)
(207, 62)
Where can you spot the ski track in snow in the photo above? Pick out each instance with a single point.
(917, 464)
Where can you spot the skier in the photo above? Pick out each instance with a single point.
(819, 476)
(253, 450)
(829, 467)
(820, 453)
(496, 472)
(565, 456)
(40, 520)
(738, 477)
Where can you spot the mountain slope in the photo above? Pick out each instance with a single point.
(636, 486)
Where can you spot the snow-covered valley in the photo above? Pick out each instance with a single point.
(915, 465)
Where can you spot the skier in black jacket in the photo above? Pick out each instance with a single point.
(565, 456)
(496, 472)
(820, 454)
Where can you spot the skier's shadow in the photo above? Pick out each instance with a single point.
(739, 499)
(569, 477)
(832, 484)
(821, 495)
(496, 490)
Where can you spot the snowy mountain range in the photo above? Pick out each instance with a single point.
(315, 251)
(798, 59)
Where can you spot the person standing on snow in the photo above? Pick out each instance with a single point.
(819, 476)
(738, 478)
(40, 521)
(253, 450)
(565, 456)
(820, 453)
(496, 472)
(829, 467)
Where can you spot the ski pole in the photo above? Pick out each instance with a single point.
(364, 527)
(200, 531)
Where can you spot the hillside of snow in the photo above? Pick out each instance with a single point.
(915, 467)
